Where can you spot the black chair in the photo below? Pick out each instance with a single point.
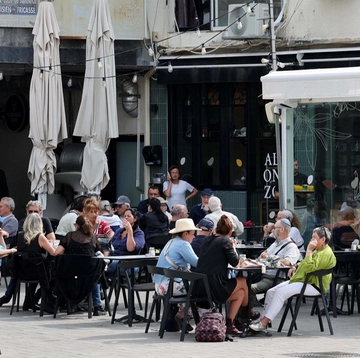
(189, 279)
(75, 277)
(128, 268)
(30, 269)
(158, 242)
(344, 276)
(320, 274)
(156, 298)
(29, 294)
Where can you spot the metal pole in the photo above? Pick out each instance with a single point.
(276, 110)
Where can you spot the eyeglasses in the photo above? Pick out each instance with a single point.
(277, 227)
(33, 211)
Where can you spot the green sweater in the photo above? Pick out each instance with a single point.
(320, 260)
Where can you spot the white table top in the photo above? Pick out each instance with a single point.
(127, 257)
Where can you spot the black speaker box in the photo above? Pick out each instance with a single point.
(152, 154)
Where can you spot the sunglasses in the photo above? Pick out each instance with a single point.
(33, 211)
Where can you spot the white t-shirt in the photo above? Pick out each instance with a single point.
(178, 192)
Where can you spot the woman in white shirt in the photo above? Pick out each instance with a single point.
(175, 189)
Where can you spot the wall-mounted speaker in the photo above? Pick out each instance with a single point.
(152, 154)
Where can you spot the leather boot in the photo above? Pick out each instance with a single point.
(231, 329)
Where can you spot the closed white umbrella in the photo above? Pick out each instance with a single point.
(47, 110)
(97, 120)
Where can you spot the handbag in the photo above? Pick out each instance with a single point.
(211, 328)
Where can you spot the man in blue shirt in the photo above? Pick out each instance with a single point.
(199, 211)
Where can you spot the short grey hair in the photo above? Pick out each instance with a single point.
(178, 209)
(34, 203)
(9, 202)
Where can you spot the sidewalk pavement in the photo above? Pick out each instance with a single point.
(25, 334)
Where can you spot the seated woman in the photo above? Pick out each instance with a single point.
(343, 231)
(83, 242)
(155, 222)
(217, 252)
(128, 240)
(177, 253)
(33, 245)
(98, 227)
(319, 256)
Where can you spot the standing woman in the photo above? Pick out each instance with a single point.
(175, 189)
(217, 252)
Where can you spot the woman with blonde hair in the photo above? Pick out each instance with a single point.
(33, 244)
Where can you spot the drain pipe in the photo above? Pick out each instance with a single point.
(147, 79)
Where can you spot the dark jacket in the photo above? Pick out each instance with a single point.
(152, 226)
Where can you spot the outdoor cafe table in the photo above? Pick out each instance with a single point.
(250, 250)
(125, 258)
(342, 256)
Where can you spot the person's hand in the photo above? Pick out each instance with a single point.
(168, 178)
(312, 244)
(264, 254)
(127, 225)
(206, 207)
(291, 271)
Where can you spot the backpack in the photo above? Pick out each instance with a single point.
(211, 328)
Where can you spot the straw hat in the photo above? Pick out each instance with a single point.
(182, 225)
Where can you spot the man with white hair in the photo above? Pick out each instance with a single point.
(10, 223)
(216, 213)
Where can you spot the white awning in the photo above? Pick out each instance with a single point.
(313, 86)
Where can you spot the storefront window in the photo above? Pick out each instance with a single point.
(208, 134)
(327, 147)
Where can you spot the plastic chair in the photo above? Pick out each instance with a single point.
(156, 298)
(189, 279)
(158, 242)
(344, 276)
(320, 274)
(132, 286)
(75, 277)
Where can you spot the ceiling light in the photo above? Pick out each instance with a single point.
(134, 79)
(104, 82)
(100, 66)
(69, 82)
(198, 32)
(1, 75)
(239, 25)
(151, 51)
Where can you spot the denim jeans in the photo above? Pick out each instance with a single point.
(96, 296)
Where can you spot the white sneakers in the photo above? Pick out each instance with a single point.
(257, 327)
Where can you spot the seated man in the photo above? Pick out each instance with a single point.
(283, 248)
(10, 223)
(105, 214)
(199, 211)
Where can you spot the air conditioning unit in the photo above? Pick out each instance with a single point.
(252, 24)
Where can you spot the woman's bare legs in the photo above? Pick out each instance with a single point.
(238, 298)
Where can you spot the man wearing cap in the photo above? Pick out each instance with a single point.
(283, 248)
(105, 215)
(199, 211)
(121, 204)
(216, 213)
(206, 226)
